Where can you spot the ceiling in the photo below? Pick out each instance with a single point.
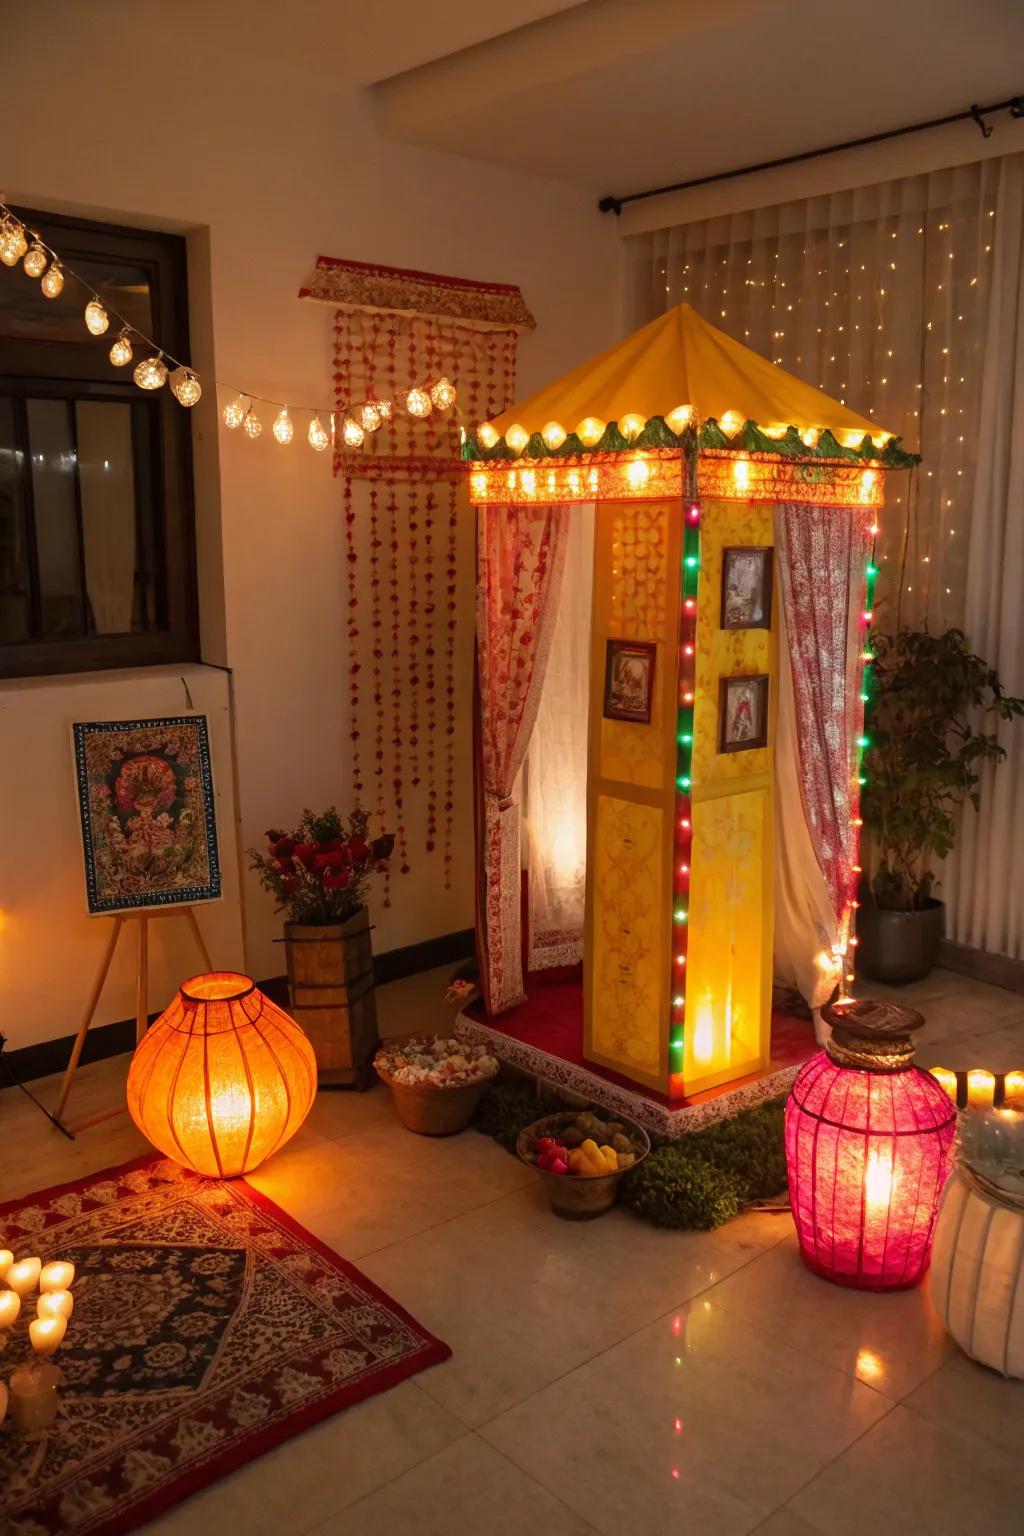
(621, 95)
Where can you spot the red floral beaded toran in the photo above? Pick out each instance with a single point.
(410, 650)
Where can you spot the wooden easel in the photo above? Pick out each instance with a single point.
(141, 996)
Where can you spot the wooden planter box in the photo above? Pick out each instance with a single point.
(330, 981)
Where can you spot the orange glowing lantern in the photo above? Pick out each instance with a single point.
(223, 1078)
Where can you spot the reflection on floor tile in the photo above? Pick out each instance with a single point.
(698, 1422)
(890, 1342)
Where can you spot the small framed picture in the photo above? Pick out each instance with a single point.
(743, 713)
(746, 587)
(629, 680)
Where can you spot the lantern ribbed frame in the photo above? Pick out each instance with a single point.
(867, 1154)
(223, 1078)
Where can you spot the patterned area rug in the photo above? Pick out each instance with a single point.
(208, 1327)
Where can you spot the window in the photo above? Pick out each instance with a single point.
(97, 563)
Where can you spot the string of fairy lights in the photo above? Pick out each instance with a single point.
(684, 783)
(158, 367)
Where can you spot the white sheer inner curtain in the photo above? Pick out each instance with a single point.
(903, 300)
(555, 773)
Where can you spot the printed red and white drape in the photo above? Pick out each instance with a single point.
(822, 557)
(520, 561)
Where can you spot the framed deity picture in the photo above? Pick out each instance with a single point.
(746, 587)
(629, 680)
(743, 713)
(145, 798)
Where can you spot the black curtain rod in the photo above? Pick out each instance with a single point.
(976, 114)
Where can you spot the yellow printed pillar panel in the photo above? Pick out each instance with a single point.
(729, 913)
(631, 788)
(678, 959)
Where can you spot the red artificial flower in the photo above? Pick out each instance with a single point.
(307, 854)
(281, 844)
(285, 865)
(358, 851)
(338, 881)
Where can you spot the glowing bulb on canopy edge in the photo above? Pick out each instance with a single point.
(517, 437)
(35, 260)
(677, 419)
(443, 394)
(283, 429)
(731, 422)
(631, 425)
(52, 281)
(318, 437)
(96, 318)
(554, 435)
(253, 425)
(352, 433)
(234, 413)
(590, 431)
(186, 387)
(418, 403)
(151, 373)
(487, 435)
(121, 352)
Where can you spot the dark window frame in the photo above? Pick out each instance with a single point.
(73, 371)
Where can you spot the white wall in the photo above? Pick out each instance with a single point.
(237, 126)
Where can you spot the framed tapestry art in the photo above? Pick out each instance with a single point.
(743, 713)
(746, 587)
(629, 680)
(145, 798)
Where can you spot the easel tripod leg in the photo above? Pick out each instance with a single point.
(90, 1009)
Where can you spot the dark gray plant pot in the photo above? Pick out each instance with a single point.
(898, 946)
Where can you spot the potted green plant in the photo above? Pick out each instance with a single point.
(319, 874)
(930, 699)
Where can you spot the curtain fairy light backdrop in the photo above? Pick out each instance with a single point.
(903, 300)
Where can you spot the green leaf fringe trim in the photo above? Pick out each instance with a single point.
(658, 434)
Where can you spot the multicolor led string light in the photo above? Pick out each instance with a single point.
(690, 580)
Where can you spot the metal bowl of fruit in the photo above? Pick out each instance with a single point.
(582, 1156)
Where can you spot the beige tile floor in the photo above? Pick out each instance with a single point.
(606, 1377)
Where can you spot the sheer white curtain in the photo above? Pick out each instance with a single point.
(555, 776)
(903, 300)
(879, 296)
(983, 882)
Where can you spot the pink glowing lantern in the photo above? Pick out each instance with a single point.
(869, 1140)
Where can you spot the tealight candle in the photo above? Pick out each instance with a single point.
(24, 1276)
(56, 1276)
(34, 1400)
(981, 1089)
(55, 1304)
(45, 1334)
(10, 1306)
(6, 1260)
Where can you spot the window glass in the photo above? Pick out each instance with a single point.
(27, 314)
(15, 601)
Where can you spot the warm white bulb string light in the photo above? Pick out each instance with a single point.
(20, 243)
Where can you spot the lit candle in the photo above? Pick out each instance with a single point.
(34, 1401)
(45, 1334)
(24, 1276)
(56, 1276)
(10, 1306)
(1013, 1088)
(55, 1304)
(6, 1260)
(946, 1079)
(981, 1089)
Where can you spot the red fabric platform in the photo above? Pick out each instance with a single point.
(551, 1020)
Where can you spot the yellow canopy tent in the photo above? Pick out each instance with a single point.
(681, 371)
(708, 469)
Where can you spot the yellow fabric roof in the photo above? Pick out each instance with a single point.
(681, 360)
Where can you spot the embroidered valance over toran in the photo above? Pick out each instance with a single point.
(398, 290)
